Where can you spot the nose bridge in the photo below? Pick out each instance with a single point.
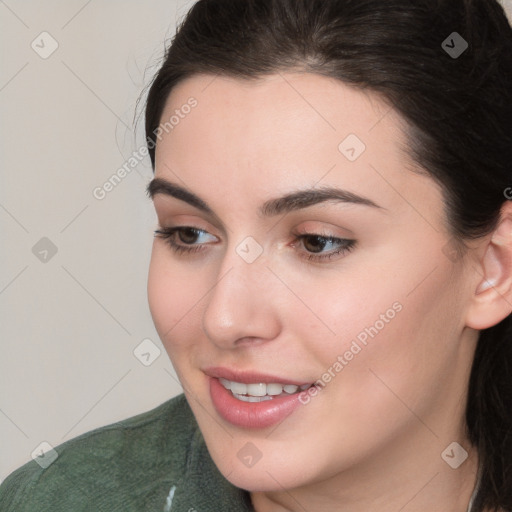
(238, 304)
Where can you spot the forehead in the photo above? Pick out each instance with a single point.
(273, 103)
(281, 130)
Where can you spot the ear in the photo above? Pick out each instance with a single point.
(492, 301)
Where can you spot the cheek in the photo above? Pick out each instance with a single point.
(400, 351)
(347, 309)
(390, 319)
(160, 301)
(173, 297)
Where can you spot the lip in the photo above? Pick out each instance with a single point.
(251, 415)
(249, 377)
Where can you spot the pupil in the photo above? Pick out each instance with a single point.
(320, 243)
(185, 232)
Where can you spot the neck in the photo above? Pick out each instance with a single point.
(412, 477)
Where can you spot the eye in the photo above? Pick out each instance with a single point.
(187, 235)
(189, 242)
(316, 243)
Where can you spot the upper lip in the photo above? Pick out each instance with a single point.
(249, 377)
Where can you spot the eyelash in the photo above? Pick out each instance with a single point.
(168, 233)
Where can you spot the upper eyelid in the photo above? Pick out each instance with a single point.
(196, 224)
(163, 213)
(224, 230)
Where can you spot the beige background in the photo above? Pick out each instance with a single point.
(71, 321)
(69, 326)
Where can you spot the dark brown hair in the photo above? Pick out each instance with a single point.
(458, 111)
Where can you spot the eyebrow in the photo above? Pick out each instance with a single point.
(291, 202)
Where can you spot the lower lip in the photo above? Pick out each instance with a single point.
(251, 414)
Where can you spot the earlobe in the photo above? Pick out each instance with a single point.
(492, 301)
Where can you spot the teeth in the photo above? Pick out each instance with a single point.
(239, 388)
(260, 391)
(225, 383)
(253, 398)
(274, 389)
(257, 389)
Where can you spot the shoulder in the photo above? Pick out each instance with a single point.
(140, 455)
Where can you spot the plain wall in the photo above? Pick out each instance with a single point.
(70, 321)
(69, 325)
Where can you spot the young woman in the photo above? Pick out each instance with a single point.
(332, 271)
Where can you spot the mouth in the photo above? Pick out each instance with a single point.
(254, 400)
(261, 391)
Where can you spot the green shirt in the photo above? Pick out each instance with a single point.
(153, 462)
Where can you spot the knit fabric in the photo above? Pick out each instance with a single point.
(153, 462)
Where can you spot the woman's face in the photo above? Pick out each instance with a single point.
(370, 305)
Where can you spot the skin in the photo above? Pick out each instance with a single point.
(372, 439)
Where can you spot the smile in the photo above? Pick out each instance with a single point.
(261, 391)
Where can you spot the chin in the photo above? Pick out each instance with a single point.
(267, 474)
(262, 480)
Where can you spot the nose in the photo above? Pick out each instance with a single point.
(240, 310)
